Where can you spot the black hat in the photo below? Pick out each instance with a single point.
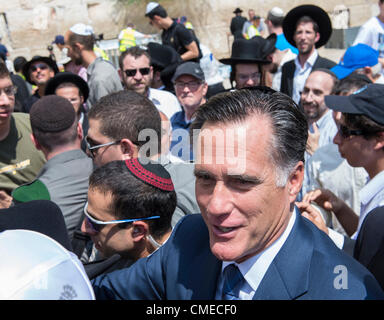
(238, 10)
(63, 77)
(248, 51)
(42, 216)
(52, 64)
(52, 114)
(162, 55)
(317, 14)
(368, 101)
(189, 68)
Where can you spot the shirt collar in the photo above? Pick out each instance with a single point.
(324, 119)
(310, 61)
(372, 187)
(254, 268)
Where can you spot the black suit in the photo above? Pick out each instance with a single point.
(288, 72)
(237, 26)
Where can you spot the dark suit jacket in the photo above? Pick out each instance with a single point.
(184, 268)
(288, 71)
(236, 26)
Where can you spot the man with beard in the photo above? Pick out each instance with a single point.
(102, 76)
(307, 28)
(37, 72)
(136, 73)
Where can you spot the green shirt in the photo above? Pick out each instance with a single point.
(20, 161)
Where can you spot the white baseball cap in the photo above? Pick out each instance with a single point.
(82, 29)
(36, 267)
(151, 6)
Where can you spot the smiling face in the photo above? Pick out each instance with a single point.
(244, 210)
(40, 73)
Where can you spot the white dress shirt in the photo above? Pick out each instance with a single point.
(254, 268)
(301, 75)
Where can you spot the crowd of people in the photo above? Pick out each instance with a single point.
(150, 181)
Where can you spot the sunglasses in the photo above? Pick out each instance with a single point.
(92, 147)
(345, 132)
(96, 225)
(132, 72)
(41, 66)
(9, 91)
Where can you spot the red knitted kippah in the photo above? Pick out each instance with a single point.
(153, 174)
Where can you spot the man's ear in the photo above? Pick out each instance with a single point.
(128, 149)
(379, 138)
(35, 142)
(80, 133)
(317, 37)
(295, 181)
(139, 231)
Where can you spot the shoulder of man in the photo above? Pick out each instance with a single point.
(36, 190)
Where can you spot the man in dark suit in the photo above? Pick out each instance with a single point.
(249, 229)
(237, 23)
(307, 28)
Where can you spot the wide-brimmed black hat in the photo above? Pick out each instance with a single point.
(249, 51)
(238, 10)
(63, 77)
(317, 14)
(52, 64)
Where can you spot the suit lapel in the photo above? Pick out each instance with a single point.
(291, 73)
(288, 275)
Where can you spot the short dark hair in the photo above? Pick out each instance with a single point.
(124, 114)
(133, 198)
(158, 11)
(18, 63)
(276, 21)
(288, 121)
(136, 52)
(349, 83)
(87, 41)
(52, 140)
(4, 72)
(306, 19)
(363, 123)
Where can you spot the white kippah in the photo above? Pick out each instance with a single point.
(151, 6)
(82, 29)
(277, 12)
(36, 267)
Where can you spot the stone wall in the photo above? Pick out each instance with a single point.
(32, 24)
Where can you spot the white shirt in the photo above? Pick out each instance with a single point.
(164, 101)
(301, 75)
(254, 268)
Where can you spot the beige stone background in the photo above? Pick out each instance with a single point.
(29, 26)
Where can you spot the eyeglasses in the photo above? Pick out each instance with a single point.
(9, 91)
(92, 148)
(192, 85)
(132, 72)
(97, 225)
(253, 76)
(41, 66)
(345, 132)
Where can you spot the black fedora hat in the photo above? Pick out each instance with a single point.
(268, 44)
(248, 51)
(238, 10)
(162, 55)
(52, 64)
(317, 14)
(63, 77)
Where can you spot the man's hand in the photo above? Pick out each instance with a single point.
(325, 199)
(313, 139)
(312, 215)
(5, 200)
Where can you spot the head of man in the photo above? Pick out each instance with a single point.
(79, 39)
(249, 173)
(275, 19)
(54, 125)
(251, 14)
(190, 86)
(120, 190)
(360, 137)
(123, 125)
(306, 35)
(156, 15)
(39, 70)
(7, 98)
(318, 84)
(136, 71)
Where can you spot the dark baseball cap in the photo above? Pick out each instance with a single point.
(368, 101)
(189, 68)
